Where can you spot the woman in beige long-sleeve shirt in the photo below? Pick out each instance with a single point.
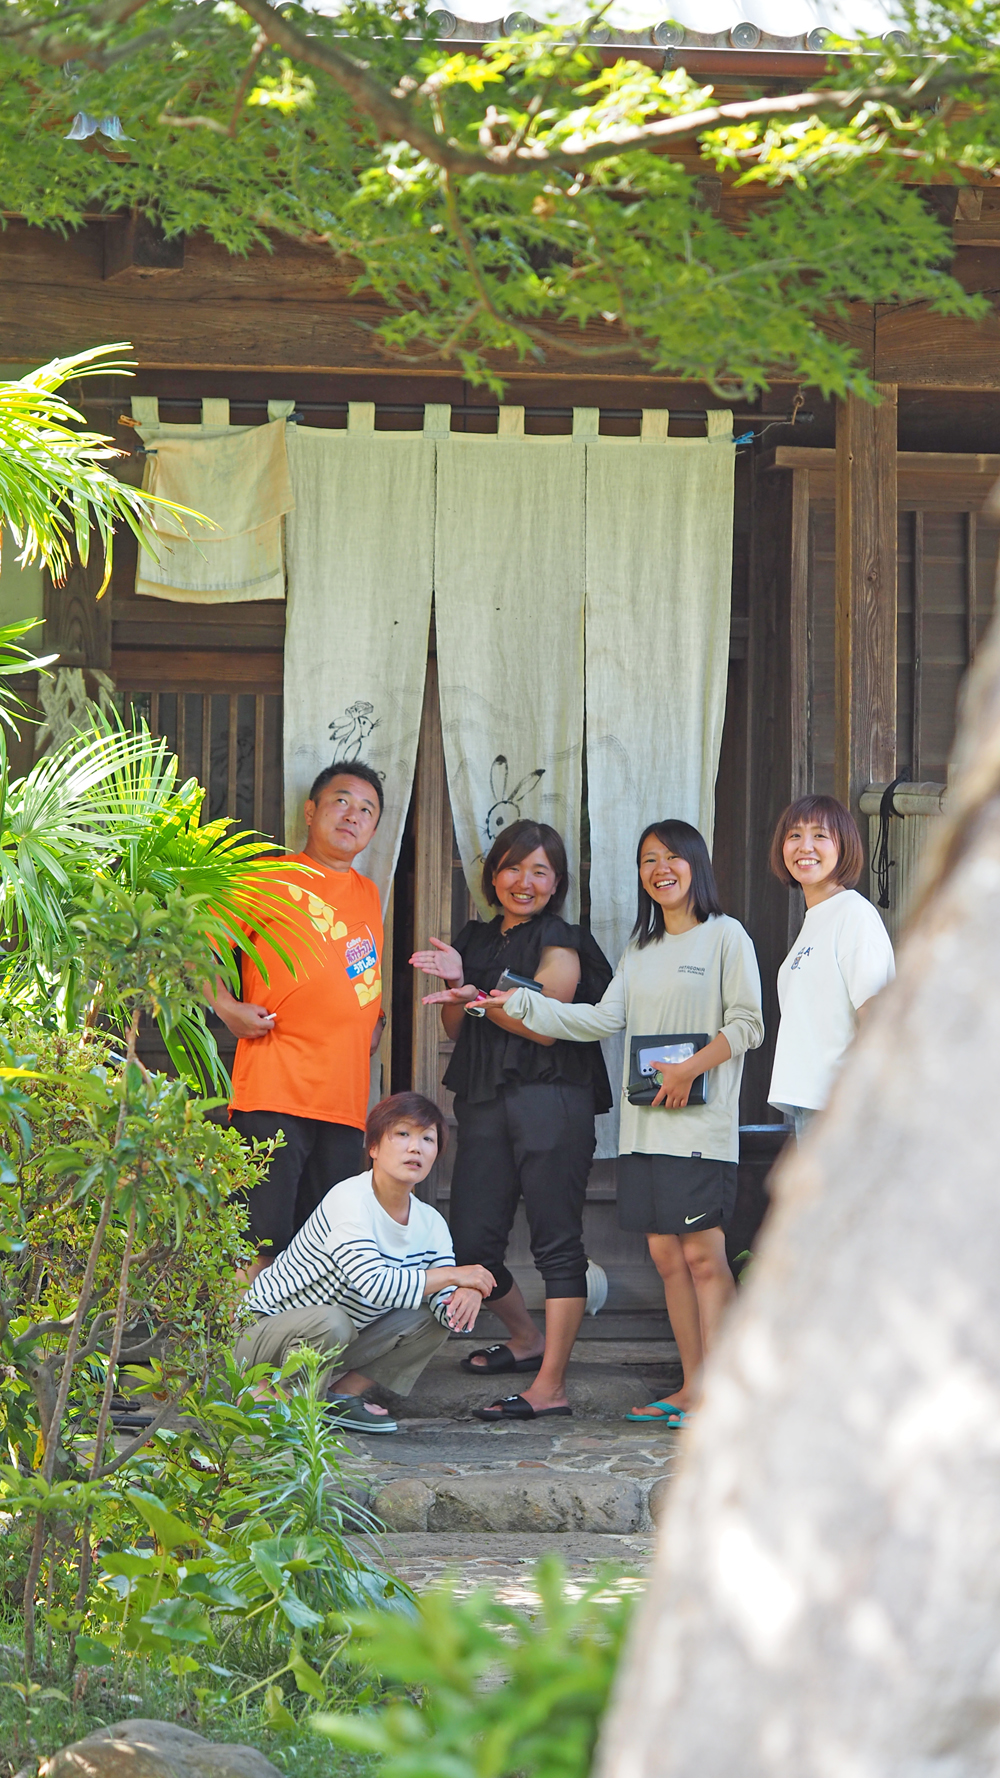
(688, 967)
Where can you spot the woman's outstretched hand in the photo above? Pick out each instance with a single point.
(451, 996)
(442, 960)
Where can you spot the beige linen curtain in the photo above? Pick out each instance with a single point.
(360, 556)
(509, 602)
(237, 476)
(659, 573)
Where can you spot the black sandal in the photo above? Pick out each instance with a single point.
(515, 1407)
(499, 1359)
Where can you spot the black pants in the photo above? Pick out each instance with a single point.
(534, 1141)
(313, 1157)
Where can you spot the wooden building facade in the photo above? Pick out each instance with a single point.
(863, 567)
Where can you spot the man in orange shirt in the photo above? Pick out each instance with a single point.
(305, 1040)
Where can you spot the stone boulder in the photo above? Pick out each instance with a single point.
(144, 1749)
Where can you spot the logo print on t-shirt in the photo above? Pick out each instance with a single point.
(806, 951)
(321, 916)
(361, 959)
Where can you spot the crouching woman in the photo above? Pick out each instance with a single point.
(687, 969)
(370, 1278)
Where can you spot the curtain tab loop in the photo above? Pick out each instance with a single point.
(215, 412)
(361, 416)
(720, 422)
(655, 425)
(437, 419)
(586, 424)
(146, 410)
(511, 422)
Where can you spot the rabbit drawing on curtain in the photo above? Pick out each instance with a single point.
(507, 804)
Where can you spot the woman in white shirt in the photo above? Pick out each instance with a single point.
(840, 959)
(687, 968)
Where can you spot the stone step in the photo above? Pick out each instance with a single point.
(608, 1325)
(439, 1477)
(605, 1379)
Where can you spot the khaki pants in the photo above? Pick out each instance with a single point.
(392, 1350)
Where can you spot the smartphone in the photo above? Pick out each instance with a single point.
(509, 980)
(668, 1052)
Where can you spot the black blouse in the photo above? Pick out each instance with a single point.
(485, 1056)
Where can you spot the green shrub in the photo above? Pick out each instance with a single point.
(501, 1692)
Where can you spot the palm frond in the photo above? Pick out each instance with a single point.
(54, 483)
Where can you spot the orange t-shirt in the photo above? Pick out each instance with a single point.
(315, 1062)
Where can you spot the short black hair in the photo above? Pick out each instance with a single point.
(690, 845)
(517, 842)
(348, 768)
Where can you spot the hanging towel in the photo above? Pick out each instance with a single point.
(360, 548)
(236, 476)
(509, 599)
(659, 574)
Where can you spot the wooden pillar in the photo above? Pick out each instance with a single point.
(865, 674)
(431, 895)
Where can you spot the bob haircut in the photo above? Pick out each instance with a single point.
(411, 1106)
(840, 821)
(689, 844)
(517, 842)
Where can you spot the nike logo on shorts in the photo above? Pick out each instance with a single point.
(690, 1219)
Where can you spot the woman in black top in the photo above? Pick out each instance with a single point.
(525, 1107)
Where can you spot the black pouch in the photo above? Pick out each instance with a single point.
(644, 1082)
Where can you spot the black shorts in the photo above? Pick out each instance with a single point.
(674, 1194)
(314, 1157)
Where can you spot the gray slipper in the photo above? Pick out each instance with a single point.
(354, 1414)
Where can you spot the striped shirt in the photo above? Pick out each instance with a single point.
(353, 1254)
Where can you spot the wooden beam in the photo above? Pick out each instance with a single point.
(135, 243)
(933, 481)
(865, 665)
(202, 670)
(921, 350)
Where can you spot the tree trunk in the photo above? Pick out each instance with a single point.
(826, 1602)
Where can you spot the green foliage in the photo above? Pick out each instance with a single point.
(89, 1698)
(485, 195)
(116, 901)
(502, 1693)
(54, 486)
(246, 1506)
(102, 1132)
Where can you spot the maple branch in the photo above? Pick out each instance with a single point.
(395, 117)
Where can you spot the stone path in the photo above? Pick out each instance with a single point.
(481, 1503)
(423, 1560)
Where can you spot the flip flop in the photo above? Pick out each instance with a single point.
(515, 1407)
(354, 1414)
(666, 1414)
(499, 1359)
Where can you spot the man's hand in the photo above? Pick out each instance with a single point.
(244, 1019)
(463, 1308)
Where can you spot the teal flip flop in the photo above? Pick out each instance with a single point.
(665, 1414)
